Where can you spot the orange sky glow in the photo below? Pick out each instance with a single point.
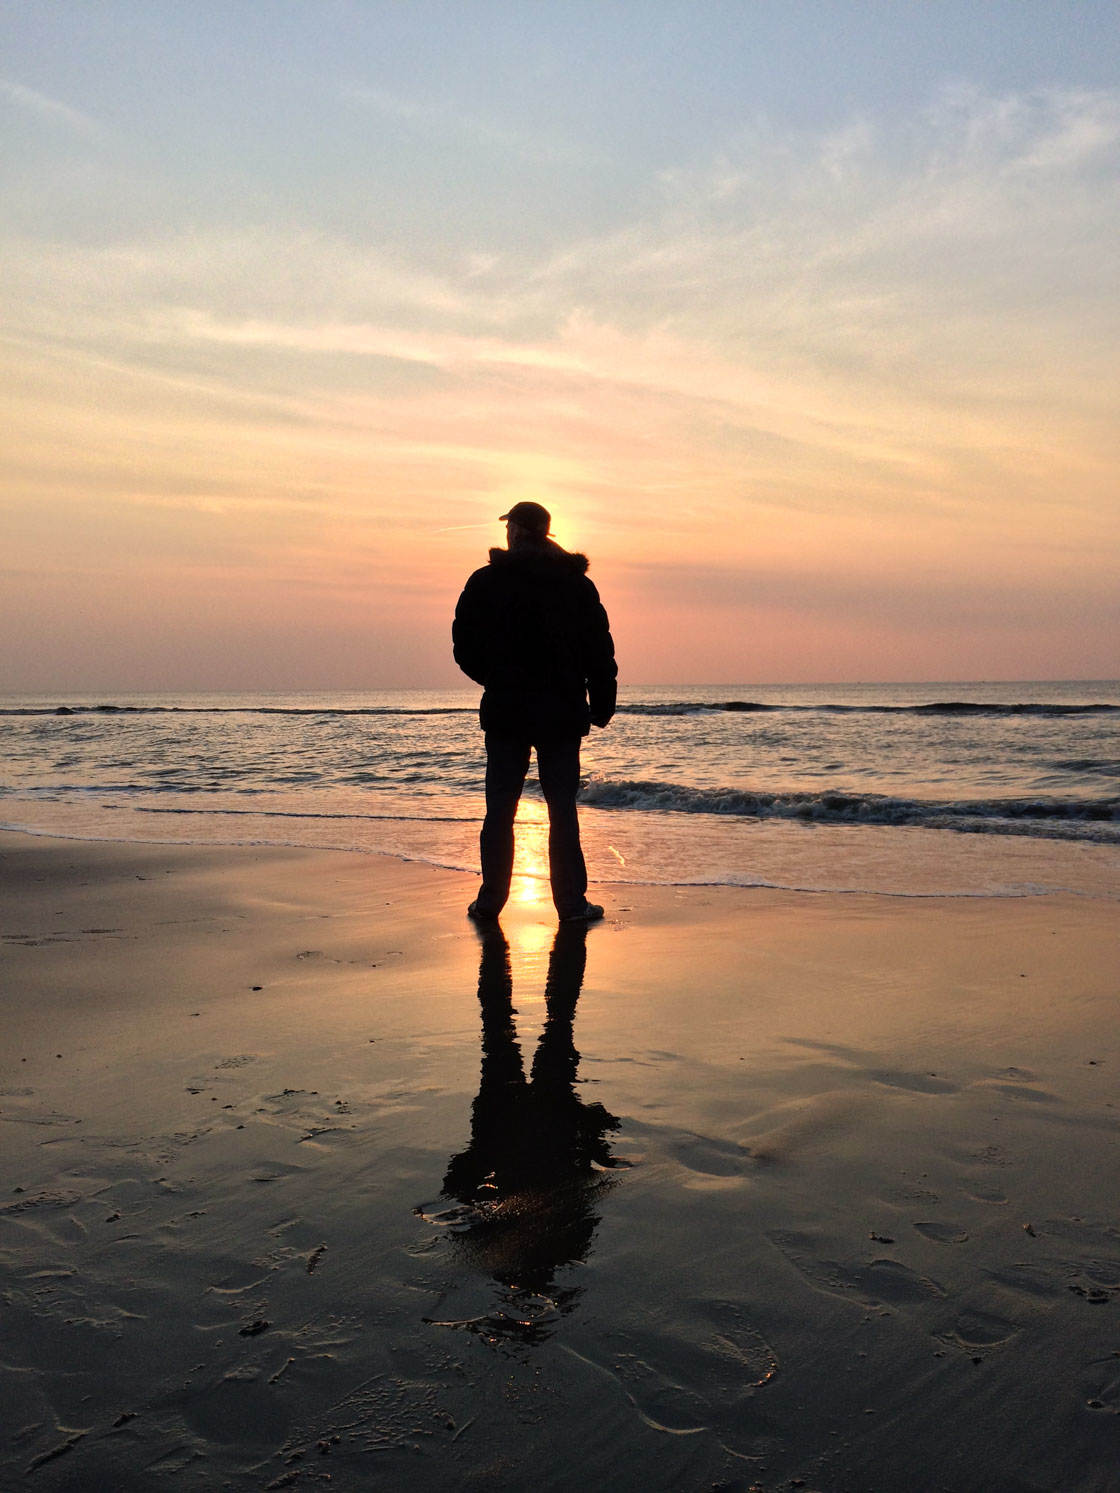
(824, 399)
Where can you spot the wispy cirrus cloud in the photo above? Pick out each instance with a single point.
(52, 110)
(447, 122)
(968, 205)
(872, 253)
(839, 323)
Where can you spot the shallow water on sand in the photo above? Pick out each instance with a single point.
(945, 789)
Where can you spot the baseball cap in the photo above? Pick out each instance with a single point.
(530, 516)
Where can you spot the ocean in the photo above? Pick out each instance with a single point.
(901, 790)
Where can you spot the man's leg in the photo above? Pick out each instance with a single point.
(507, 762)
(558, 767)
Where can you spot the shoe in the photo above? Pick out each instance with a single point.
(481, 917)
(590, 912)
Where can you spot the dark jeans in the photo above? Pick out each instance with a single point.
(507, 762)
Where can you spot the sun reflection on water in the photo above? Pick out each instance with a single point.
(529, 948)
(529, 887)
(531, 941)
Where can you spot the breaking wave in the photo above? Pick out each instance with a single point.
(630, 707)
(1094, 820)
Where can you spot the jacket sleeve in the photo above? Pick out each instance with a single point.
(599, 660)
(470, 630)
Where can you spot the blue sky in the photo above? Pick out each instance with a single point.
(329, 112)
(801, 317)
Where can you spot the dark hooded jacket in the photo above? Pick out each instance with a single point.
(530, 628)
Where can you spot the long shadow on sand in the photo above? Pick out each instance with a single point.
(527, 1189)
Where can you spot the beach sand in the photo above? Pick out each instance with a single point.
(831, 1204)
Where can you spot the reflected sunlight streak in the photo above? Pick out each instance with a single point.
(529, 947)
(530, 862)
(530, 942)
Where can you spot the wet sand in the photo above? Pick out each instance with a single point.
(745, 1190)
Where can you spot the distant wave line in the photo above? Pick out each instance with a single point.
(933, 707)
(950, 708)
(296, 710)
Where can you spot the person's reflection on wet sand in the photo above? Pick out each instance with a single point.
(538, 1161)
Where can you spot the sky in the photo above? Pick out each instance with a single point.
(801, 317)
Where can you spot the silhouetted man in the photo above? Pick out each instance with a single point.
(530, 628)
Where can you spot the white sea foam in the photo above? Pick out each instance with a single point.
(1095, 820)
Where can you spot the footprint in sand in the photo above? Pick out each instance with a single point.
(942, 1233)
(991, 1195)
(662, 1402)
(43, 1197)
(692, 1373)
(708, 1156)
(975, 1331)
(877, 1283)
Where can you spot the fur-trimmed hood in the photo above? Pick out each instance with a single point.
(544, 558)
